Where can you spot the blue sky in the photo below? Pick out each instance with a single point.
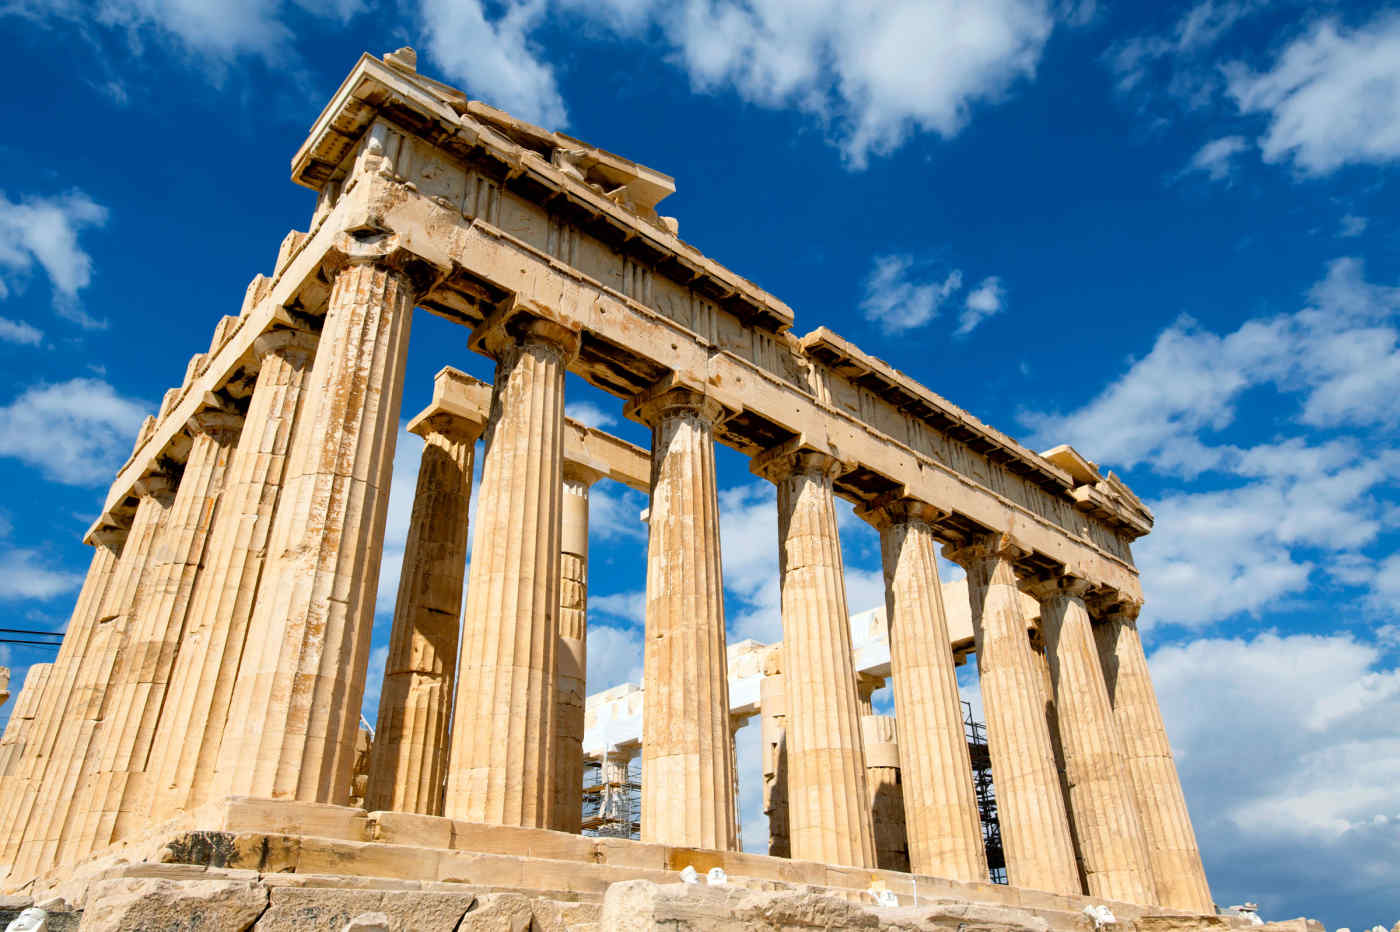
(1163, 233)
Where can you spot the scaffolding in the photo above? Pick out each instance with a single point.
(612, 808)
(986, 793)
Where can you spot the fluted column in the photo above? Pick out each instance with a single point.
(687, 759)
(1030, 807)
(294, 716)
(1102, 806)
(408, 763)
(186, 750)
(1171, 841)
(887, 796)
(773, 711)
(828, 802)
(115, 801)
(56, 836)
(940, 804)
(503, 738)
(19, 729)
(572, 690)
(50, 748)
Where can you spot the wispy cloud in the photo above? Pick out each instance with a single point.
(76, 432)
(1332, 96)
(901, 295)
(986, 300)
(44, 231)
(1216, 159)
(871, 76)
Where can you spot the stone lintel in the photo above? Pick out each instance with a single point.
(897, 506)
(587, 450)
(518, 320)
(1047, 587)
(986, 545)
(797, 455)
(676, 390)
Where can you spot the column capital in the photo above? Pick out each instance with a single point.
(155, 485)
(897, 508)
(452, 426)
(671, 398)
(986, 546)
(285, 341)
(795, 457)
(384, 250)
(1113, 606)
(1046, 588)
(220, 424)
(581, 473)
(868, 684)
(519, 322)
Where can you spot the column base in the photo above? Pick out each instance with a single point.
(281, 845)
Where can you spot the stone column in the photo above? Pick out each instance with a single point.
(53, 731)
(867, 685)
(116, 803)
(1031, 809)
(572, 689)
(940, 805)
(1102, 807)
(887, 797)
(687, 760)
(503, 739)
(773, 709)
(828, 802)
(408, 763)
(19, 729)
(1171, 841)
(295, 713)
(186, 752)
(56, 835)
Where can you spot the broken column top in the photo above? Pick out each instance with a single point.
(459, 395)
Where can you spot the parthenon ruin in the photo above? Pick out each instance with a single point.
(204, 709)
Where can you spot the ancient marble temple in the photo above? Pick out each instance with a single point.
(204, 707)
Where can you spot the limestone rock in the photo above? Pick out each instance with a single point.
(642, 905)
(297, 908)
(368, 922)
(968, 917)
(131, 903)
(499, 912)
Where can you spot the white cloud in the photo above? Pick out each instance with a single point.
(1216, 158)
(614, 656)
(871, 78)
(374, 683)
(589, 414)
(1135, 59)
(898, 298)
(218, 33)
(1332, 97)
(495, 58)
(30, 574)
(408, 451)
(1308, 760)
(76, 432)
(1352, 225)
(629, 606)
(17, 331)
(44, 230)
(1247, 525)
(987, 299)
